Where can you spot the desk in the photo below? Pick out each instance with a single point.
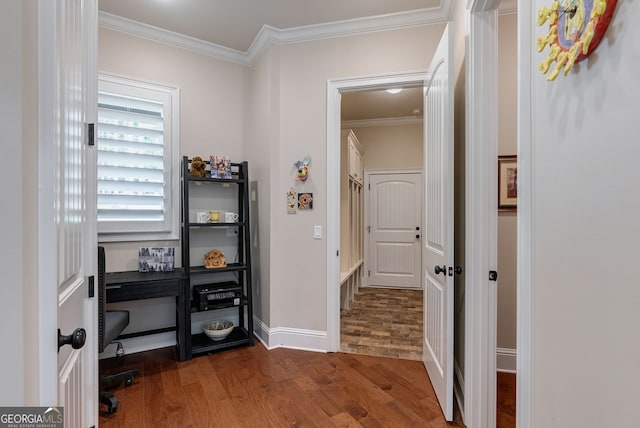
(133, 285)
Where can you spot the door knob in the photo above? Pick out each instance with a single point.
(458, 270)
(438, 270)
(75, 339)
(417, 236)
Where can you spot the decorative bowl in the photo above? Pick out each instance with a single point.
(218, 329)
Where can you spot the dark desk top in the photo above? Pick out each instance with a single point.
(132, 276)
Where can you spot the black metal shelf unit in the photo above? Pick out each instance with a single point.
(196, 273)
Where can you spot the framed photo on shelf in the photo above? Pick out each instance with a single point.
(507, 183)
(220, 167)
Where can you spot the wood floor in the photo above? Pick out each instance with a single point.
(506, 399)
(253, 387)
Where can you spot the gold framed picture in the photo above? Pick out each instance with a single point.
(507, 183)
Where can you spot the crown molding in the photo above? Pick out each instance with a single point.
(268, 34)
(387, 121)
(129, 26)
(507, 7)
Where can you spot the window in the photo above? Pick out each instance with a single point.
(138, 161)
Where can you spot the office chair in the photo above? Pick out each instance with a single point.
(110, 325)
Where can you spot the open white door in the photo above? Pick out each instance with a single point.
(438, 233)
(66, 215)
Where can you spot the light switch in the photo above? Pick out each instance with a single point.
(317, 232)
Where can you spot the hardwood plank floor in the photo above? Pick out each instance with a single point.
(253, 387)
(506, 399)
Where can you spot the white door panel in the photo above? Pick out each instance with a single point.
(395, 223)
(67, 241)
(438, 240)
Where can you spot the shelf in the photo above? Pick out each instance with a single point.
(216, 180)
(217, 224)
(201, 344)
(231, 267)
(208, 295)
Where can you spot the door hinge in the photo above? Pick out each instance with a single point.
(368, 273)
(92, 286)
(369, 186)
(493, 275)
(90, 134)
(337, 253)
(369, 229)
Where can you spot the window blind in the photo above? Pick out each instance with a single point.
(134, 158)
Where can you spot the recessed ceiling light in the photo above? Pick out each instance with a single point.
(394, 90)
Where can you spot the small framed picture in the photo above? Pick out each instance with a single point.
(220, 167)
(305, 201)
(507, 183)
(155, 259)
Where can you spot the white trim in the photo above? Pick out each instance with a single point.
(268, 34)
(46, 311)
(526, 235)
(481, 130)
(506, 360)
(334, 88)
(385, 121)
(290, 338)
(171, 224)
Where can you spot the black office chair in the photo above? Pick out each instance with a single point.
(110, 325)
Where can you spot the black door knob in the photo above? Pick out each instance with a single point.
(458, 270)
(75, 339)
(417, 236)
(438, 270)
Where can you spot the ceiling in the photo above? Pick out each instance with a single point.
(235, 23)
(378, 104)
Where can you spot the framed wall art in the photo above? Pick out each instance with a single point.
(507, 183)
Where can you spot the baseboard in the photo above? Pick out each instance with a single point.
(458, 387)
(271, 338)
(141, 344)
(506, 360)
(291, 338)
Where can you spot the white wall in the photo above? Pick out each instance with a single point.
(213, 120)
(12, 324)
(213, 98)
(298, 262)
(585, 207)
(507, 145)
(391, 147)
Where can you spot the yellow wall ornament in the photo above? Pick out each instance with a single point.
(575, 30)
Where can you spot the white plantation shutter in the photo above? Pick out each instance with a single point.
(138, 168)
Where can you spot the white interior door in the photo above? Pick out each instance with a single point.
(395, 229)
(67, 241)
(438, 234)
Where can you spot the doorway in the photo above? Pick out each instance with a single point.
(335, 90)
(381, 163)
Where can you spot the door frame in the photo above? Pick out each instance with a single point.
(334, 90)
(367, 200)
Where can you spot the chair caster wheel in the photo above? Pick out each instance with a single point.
(128, 382)
(112, 406)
